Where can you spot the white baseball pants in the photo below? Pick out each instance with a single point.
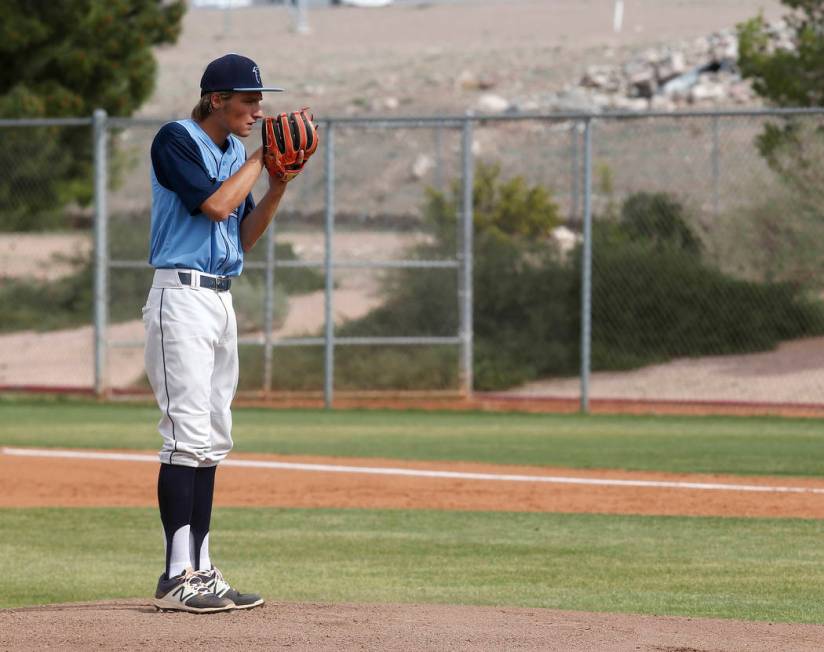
(192, 365)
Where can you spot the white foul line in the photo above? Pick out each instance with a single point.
(421, 473)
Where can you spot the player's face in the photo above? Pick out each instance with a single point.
(240, 112)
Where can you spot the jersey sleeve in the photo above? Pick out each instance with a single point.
(178, 167)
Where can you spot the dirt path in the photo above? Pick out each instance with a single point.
(792, 373)
(27, 358)
(42, 256)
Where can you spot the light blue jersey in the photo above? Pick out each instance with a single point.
(187, 168)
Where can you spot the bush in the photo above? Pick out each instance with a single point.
(660, 219)
(651, 305)
(510, 208)
(653, 299)
(524, 314)
(520, 295)
(356, 367)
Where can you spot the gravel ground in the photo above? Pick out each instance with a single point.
(416, 52)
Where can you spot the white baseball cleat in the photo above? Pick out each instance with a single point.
(213, 579)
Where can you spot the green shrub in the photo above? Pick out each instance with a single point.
(524, 326)
(658, 218)
(509, 207)
(520, 291)
(650, 305)
(356, 367)
(653, 299)
(43, 305)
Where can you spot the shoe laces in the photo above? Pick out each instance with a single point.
(195, 582)
(213, 576)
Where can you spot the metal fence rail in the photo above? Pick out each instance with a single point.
(462, 263)
(754, 240)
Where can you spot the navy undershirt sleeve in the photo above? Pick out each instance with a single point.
(248, 206)
(179, 167)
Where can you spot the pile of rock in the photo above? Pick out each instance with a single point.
(701, 73)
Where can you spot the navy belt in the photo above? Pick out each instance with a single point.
(216, 283)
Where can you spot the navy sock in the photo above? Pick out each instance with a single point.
(175, 497)
(202, 516)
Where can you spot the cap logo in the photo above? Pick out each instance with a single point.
(256, 73)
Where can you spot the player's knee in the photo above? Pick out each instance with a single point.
(222, 446)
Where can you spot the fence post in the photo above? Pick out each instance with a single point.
(101, 252)
(439, 185)
(466, 380)
(575, 191)
(329, 224)
(716, 167)
(269, 308)
(586, 270)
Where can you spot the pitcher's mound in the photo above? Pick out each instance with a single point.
(131, 624)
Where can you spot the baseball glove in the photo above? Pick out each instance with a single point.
(289, 139)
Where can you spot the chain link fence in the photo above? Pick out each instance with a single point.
(684, 266)
(46, 218)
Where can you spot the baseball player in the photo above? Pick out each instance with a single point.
(203, 220)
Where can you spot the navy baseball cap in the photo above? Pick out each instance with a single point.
(232, 72)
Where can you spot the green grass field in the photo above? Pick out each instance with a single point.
(736, 445)
(762, 569)
(691, 566)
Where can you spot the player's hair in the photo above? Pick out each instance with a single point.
(204, 107)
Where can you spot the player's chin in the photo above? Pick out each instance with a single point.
(245, 130)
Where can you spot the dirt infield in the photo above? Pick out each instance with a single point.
(278, 626)
(57, 482)
(45, 481)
